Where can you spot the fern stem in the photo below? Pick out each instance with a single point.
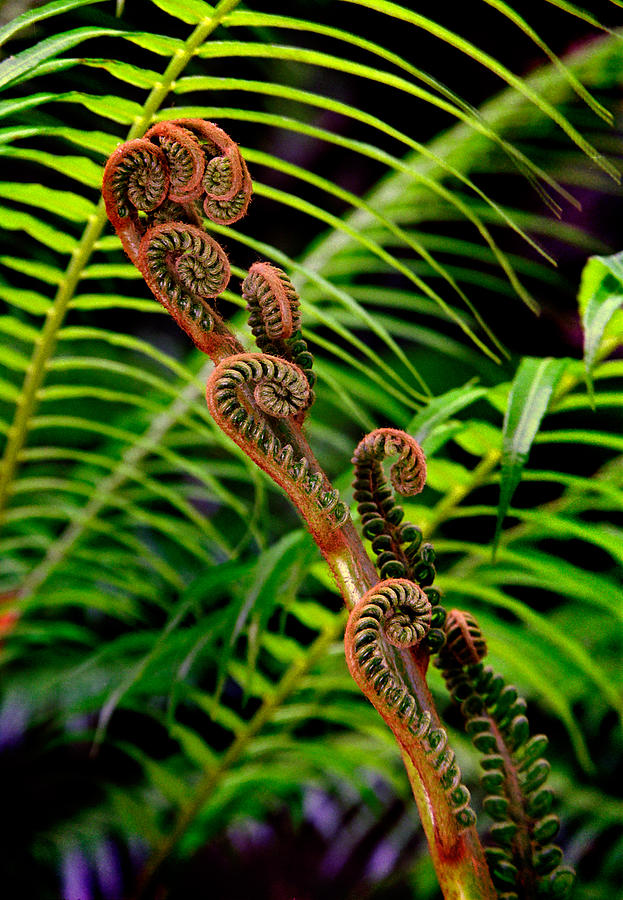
(460, 867)
(353, 572)
(462, 873)
(46, 343)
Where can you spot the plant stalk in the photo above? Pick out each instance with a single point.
(457, 854)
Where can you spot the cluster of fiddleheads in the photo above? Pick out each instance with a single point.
(524, 862)
(275, 318)
(400, 551)
(399, 612)
(280, 390)
(156, 189)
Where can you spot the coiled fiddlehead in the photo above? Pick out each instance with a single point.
(185, 159)
(397, 544)
(208, 164)
(153, 189)
(280, 390)
(275, 318)
(524, 863)
(399, 612)
(465, 643)
(273, 304)
(183, 266)
(136, 180)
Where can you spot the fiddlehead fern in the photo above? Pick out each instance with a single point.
(136, 180)
(397, 544)
(185, 159)
(464, 640)
(274, 317)
(398, 611)
(153, 188)
(523, 861)
(273, 304)
(206, 162)
(279, 391)
(183, 266)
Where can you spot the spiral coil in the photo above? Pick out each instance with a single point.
(464, 640)
(154, 188)
(275, 317)
(398, 545)
(399, 611)
(280, 390)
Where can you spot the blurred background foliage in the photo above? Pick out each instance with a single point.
(174, 687)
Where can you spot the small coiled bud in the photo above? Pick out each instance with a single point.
(185, 159)
(273, 304)
(136, 180)
(139, 177)
(225, 210)
(464, 640)
(182, 259)
(408, 473)
(409, 616)
(280, 389)
(275, 319)
(397, 543)
(282, 396)
(218, 178)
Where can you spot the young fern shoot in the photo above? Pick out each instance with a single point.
(157, 190)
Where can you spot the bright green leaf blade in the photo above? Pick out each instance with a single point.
(485, 59)
(442, 408)
(574, 10)
(125, 71)
(23, 63)
(37, 15)
(16, 220)
(576, 84)
(62, 203)
(528, 400)
(189, 11)
(600, 296)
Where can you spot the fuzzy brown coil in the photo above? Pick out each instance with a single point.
(156, 190)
